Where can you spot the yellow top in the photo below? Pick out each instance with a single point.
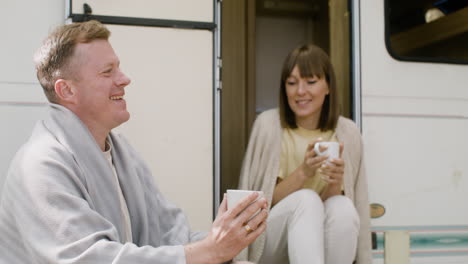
(294, 144)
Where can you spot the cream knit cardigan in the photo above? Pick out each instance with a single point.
(261, 166)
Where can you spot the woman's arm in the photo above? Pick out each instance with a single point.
(330, 190)
(295, 181)
(292, 183)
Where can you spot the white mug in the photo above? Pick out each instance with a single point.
(333, 149)
(234, 196)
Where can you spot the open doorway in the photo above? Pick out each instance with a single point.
(256, 37)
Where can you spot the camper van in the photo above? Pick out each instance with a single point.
(202, 70)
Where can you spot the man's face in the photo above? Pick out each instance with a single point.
(99, 85)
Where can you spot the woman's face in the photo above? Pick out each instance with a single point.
(305, 96)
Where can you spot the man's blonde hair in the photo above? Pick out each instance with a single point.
(53, 58)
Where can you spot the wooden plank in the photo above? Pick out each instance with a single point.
(443, 28)
(286, 8)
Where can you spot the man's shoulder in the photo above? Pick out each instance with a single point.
(43, 141)
(41, 150)
(38, 164)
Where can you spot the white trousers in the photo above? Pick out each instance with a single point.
(304, 229)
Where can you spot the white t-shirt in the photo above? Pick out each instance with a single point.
(123, 204)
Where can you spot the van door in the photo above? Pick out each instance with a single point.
(168, 52)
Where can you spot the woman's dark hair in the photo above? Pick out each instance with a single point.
(311, 61)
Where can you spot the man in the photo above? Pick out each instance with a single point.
(76, 192)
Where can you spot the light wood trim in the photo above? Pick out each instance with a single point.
(251, 73)
(234, 105)
(340, 51)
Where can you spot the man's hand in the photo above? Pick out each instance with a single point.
(232, 231)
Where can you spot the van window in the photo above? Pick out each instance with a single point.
(427, 30)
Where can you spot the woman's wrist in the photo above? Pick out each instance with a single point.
(333, 189)
(305, 172)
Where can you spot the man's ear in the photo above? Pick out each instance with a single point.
(64, 91)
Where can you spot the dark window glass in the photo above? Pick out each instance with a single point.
(427, 30)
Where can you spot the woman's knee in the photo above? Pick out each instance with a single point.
(306, 199)
(340, 208)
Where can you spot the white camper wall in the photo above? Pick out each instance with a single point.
(23, 26)
(170, 98)
(415, 122)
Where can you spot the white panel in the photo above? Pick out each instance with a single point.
(415, 122)
(416, 106)
(440, 260)
(171, 105)
(17, 124)
(22, 93)
(431, 260)
(418, 170)
(23, 27)
(189, 10)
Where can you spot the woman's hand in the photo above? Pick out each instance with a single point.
(312, 161)
(333, 170)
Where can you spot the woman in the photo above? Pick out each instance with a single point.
(320, 211)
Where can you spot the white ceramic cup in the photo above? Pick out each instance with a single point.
(333, 149)
(234, 196)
